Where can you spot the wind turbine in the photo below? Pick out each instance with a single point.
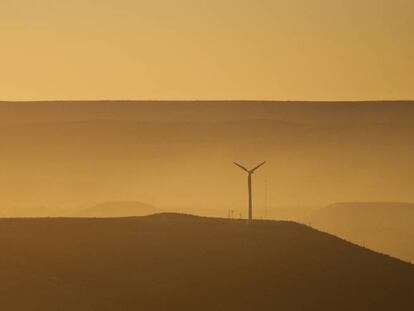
(249, 182)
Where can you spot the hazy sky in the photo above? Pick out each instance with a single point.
(212, 49)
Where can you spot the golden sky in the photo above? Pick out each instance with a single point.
(212, 49)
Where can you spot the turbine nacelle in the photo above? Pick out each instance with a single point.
(250, 172)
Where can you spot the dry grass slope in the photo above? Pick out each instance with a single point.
(177, 262)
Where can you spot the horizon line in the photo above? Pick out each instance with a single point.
(209, 100)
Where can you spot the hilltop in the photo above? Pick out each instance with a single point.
(178, 262)
(118, 209)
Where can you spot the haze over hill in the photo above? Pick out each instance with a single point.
(177, 155)
(385, 227)
(176, 262)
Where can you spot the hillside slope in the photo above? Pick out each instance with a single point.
(384, 226)
(176, 262)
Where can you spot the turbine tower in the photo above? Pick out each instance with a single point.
(249, 183)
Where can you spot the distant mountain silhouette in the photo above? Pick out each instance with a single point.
(384, 226)
(118, 209)
(206, 111)
(177, 262)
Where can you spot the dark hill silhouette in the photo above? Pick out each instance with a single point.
(384, 226)
(118, 209)
(176, 262)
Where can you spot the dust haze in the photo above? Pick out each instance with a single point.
(61, 157)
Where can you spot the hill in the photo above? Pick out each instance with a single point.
(384, 226)
(118, 209)
(176, 262)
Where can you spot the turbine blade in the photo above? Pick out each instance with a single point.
(261, 164)
(241, 166)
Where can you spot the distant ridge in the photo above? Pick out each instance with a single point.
(294, 111)
(206, 101)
